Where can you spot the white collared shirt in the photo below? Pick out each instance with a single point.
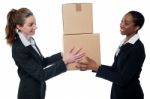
(132, 40)
(30, 41)
(27, 41)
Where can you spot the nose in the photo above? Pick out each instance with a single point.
(122, 24)
(34, 27)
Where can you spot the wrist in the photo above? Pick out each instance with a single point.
(61, 53)
(65, 62)
(96, 68)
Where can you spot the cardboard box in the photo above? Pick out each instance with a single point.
(90, 44)
(77, 18)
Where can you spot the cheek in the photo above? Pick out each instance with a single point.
(125, 30)
(130, 29)
(27, 31)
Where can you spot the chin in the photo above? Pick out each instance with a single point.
(32, 33)
(122, 33)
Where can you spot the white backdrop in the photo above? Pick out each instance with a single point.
(107, 15)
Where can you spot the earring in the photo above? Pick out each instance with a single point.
(17, 30)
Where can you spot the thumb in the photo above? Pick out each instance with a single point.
(88, 59)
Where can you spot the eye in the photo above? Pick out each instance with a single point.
(31, 24)
(123, 22)
(126, 23)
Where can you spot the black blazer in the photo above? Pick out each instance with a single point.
(125, 72)
(32, 72)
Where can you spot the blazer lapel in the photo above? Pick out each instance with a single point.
(38, 50)
(31, 50)
(123, 48)
(34, 53)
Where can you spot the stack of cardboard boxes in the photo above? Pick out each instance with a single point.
(78, 31)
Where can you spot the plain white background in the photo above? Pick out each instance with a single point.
(107, 15)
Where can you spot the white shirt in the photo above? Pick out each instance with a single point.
(28, 41)
(132, 40)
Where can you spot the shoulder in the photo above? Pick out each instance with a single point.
(138, 49)
(17, 43)
(139, 45)
(17, 46)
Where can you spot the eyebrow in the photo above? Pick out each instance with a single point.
(127, 21)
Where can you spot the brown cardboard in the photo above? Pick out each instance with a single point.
(78, 7)
(77, 18)
(90, 44)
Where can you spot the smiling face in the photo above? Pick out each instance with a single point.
(29, 26)
(127, 25)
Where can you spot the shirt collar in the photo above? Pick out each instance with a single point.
(132, 40)
(26, 41)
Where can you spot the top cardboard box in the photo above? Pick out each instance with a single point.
(77, 18)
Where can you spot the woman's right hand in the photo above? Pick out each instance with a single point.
(73, 55)
(90, 64)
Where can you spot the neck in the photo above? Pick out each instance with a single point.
(27, 36)
(128, 37)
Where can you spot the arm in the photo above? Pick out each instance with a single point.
(32, 67)
(131, 66)
(52, 59)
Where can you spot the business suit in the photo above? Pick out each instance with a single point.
(32, 71)
(125, 72)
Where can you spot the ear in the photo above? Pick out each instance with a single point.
(137, 28)
(19, 27)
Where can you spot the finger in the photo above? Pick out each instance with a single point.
(78, 67)
(77, 51)
(79, 55)
(83, 69)
(78, 60)
(88, 59)
(83, 63)
(71, 50)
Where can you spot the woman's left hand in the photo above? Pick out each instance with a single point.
(72, 56)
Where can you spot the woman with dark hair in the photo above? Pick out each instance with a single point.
(125, 71)
(33, 68)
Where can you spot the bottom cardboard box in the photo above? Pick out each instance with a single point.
(90, 44)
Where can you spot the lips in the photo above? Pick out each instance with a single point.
(122, 29)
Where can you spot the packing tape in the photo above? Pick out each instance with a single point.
(78, 7)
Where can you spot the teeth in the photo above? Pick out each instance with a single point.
(121, 29)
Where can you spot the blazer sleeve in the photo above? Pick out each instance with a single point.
(26, 62)
(52, 59)
(131, 66)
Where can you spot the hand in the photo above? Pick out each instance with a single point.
(89, 65)
(73, 56)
